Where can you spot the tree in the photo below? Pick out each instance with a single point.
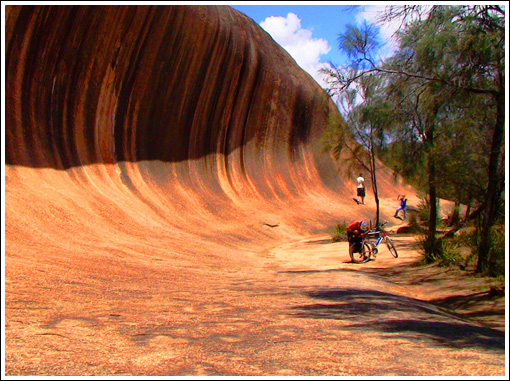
(447, 54)
(363, 109)
(367, 119)
(462, 48)
(422, 114)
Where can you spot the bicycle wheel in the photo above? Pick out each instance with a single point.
(391, 247)
(363, 255)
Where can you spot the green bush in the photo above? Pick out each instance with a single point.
(339, 232)
(450, 253)
(445, 252)
(471, 238)
(424, 210)
(497, 252)
(414, 222)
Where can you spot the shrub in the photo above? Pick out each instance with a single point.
(471, 238)
(448, 251)
(445, 252)
(497, 251)
(414, 222)
(339, 232)
(424, 210)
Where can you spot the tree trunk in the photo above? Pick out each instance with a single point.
(493, 196)
(430, 242)
(375, 190)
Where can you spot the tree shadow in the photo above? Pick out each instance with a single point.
(483, 299)
(396, 314)
(449, 334)
(314, 271)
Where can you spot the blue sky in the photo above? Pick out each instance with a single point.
(324, 21)
(310, 32)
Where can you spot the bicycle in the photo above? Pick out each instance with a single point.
(368, 249)
(382, 235)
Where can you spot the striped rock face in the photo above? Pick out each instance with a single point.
(175, 116)
(185, 124)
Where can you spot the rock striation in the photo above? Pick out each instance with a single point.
(105, 84)
(185, 118)
(200, 97)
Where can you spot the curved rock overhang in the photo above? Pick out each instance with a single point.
(182, 119)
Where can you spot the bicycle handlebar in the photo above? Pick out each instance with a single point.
(378, 229)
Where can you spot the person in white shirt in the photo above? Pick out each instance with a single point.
(361, 189)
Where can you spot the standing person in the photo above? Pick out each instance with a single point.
(402, 206)
(361, 189)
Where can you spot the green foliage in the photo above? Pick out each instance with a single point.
(407, 159)
(497, 255)
(462, 165)
(360, 43)
(445, 252)
(424, 209)
(454, 53)
(339, 232)
(462, 250)
(335, 135)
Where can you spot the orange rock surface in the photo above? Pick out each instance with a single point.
(154, 157)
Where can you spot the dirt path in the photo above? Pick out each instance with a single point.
(449, 287)
(395, 306)
(300, 309)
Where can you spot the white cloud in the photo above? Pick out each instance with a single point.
(298, 42)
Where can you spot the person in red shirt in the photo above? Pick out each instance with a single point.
(356, 230)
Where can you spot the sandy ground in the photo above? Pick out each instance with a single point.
(299, 309)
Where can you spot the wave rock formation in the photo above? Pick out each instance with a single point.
(184, 119)
(169, 127)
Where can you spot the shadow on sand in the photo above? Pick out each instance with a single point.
(400, 315)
